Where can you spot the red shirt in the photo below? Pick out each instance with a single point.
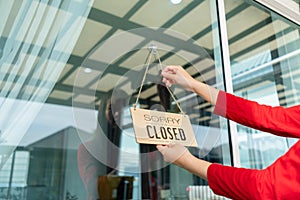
(281, 180)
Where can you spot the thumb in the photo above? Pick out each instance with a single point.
(168, 75)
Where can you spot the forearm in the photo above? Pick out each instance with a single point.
(196, 166)
(205, 91)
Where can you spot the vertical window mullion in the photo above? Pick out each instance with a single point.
(233, 136)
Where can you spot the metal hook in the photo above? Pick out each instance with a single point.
(152, 48)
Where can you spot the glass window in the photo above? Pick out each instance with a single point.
(88, 64)
(81, 145)
(264, 55)
(14, 175)
(180, 36)
(36, 41)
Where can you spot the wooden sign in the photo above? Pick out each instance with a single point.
(155, 127)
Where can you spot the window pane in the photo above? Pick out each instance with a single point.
(264, 55)
(182, 37)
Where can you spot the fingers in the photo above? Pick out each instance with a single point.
(167, 82)
(177, 75)
(171, 151)
(160, 147)
(171, 69)
(169, 75)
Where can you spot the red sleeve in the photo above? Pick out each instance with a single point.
(239, 183)
(277, 120)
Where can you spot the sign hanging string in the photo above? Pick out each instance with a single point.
(153, 51)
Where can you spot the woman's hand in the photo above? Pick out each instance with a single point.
(174, 153)
(177, 75)
(179, 155)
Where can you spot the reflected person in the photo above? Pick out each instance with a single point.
(99, 155)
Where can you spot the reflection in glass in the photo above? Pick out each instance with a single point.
(264, 55)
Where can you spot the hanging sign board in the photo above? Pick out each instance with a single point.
(155, 127)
